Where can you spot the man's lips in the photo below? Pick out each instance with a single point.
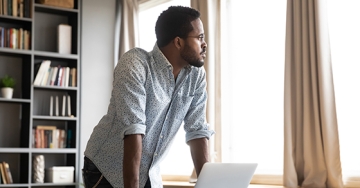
(203, 54)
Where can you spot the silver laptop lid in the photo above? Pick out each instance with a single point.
(229, 175)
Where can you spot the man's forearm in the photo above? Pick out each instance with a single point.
(199, 152)
(132, 158)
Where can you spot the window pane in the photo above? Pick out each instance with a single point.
(344, 29)
(253, 82)
(178, 161)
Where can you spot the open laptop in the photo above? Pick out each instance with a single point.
(229, 175)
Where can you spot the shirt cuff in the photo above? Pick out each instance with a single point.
(199, 134)
(134, 129)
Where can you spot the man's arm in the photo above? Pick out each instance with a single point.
(199, 152)
(131, 162)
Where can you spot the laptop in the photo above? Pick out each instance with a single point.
(229, 175)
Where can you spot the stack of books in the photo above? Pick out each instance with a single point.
(55, 76)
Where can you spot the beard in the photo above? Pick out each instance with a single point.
(192, 57)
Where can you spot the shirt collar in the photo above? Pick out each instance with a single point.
(161, 61)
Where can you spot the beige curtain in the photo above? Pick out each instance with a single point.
(127, 33)
(210, 16)
(311, 154)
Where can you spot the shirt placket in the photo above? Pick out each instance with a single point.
(175, 86)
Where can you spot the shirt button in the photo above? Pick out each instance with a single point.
(155, 154)
(161, 136)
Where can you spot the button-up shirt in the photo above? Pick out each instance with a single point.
(146, 99)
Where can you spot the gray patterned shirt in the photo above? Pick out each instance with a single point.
(146, 99)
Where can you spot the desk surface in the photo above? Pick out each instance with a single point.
(174, 184)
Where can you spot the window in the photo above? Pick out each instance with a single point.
(178, 161)
(344, 31)
(253, 83)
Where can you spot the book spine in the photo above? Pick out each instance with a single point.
(44, 67)
(3, 174)
(8, 173)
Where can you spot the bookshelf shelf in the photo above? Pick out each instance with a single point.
(56, 88)
(14, 185)
(14, 150)
(15, 52)
(21, 116)
(13, 100)
(16, 20)
(56, 55)
(52, 184)
(55, 118)
(52, 9)
(53, 151)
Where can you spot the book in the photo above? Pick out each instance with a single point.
(44, 136)
(69, 138)
(27, 8)
(62, 139)
(64, 39)
(20, 38)
(67, 75)
(9, 7)
(2, 36)
(1, 13)
(68, 106)
(50, 76)
(63, 106)
(45, 78)
(53, 76)
(58, 76)
(21, 8)
(26, 39)
(7, 172)
(3, 174)
(5, 12)
(73, 77)
(51, 106)
(62, 80)
(56, 105)
(14, 7)
(44, 67)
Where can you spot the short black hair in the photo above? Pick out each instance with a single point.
(174, 22)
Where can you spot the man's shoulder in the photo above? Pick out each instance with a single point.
(137, 52)
(134, 55)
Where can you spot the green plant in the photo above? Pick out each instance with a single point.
(7, 81)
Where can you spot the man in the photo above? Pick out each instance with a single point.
(153, 94)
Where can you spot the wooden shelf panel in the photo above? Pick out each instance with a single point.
(15, 100)
(55, 118)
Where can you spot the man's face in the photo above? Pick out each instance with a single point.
(194, 51)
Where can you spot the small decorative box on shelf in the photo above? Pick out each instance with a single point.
(59, 174)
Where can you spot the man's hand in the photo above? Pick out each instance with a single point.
(199, 152)
(131, 162)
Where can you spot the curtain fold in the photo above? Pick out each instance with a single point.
(127, 27)
(210, 16)
(311, 142)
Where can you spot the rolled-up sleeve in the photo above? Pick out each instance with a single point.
(129, 94)
(195, 121)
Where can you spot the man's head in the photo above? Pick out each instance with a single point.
(183, 23)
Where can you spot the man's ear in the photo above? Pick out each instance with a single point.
(178, 42)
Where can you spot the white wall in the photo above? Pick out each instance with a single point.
(97, 64)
